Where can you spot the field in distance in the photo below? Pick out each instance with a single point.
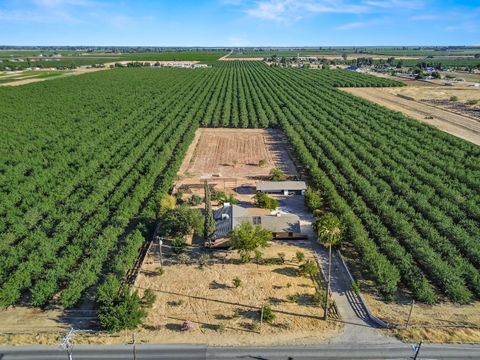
(432, 105)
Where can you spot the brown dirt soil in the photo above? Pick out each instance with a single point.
(21, 318)
(230, 157)
(77, 71)
(444, 322)
(438, 92)
(207, 297)
(458, 125)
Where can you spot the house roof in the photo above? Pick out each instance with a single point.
(281, 185)
(228, 217)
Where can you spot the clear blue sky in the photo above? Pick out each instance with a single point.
(239, 22)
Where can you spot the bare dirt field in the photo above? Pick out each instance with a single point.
(225, 315)
(230, 157)
(445, 322)
(77, 71)
(464, 127)
(241, 59)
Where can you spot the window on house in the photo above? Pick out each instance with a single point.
(257, 220)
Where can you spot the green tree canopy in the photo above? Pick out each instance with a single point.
(264, 201)
(246, 238)
(180, 221)
(124, 312)
(277, 174)
(328, 229)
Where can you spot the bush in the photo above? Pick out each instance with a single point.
(472, 102)
(195, 200)
(160, 271)
(236, 282)
(356, 287)
(268, 315)
(123, 312)
(293, 298)
(203, 260)
(229, 199)
(277, 174)
(300, 256)
(264, 201)
(178, 245)
(183, 259)
(308, 268)
(217, 195)
(262, 163)
(148, 298)
(176, 302)
(281, 257)
(313, 199)
(258, 256)
(220, 327)
(453, 98)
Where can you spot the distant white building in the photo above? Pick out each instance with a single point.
(282, 187)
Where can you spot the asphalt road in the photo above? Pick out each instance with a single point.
(200, 352)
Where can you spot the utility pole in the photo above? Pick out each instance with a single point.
(134, 349)
(261, 318)
(160, 243)
(66, 344)
(410, 314)
(328, 280)
(417, 350)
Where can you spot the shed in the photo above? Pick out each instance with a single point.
(282, 187)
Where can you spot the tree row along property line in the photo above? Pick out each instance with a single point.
(84, 163)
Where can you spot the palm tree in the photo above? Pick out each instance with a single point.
(329, 233)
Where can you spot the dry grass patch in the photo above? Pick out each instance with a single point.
(445, 322)
(223, 314)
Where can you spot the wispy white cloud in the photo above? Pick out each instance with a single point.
(352, 25)
(294, 10)
(62, 3)
(396, 4)
(291, 10)
(28, 16)
(70, 12)
(425, 17)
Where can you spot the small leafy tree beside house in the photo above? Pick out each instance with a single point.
(209, 224)
(265, 202)
(246, 238)
(180, 221)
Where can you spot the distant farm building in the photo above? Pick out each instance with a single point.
(282, 187)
